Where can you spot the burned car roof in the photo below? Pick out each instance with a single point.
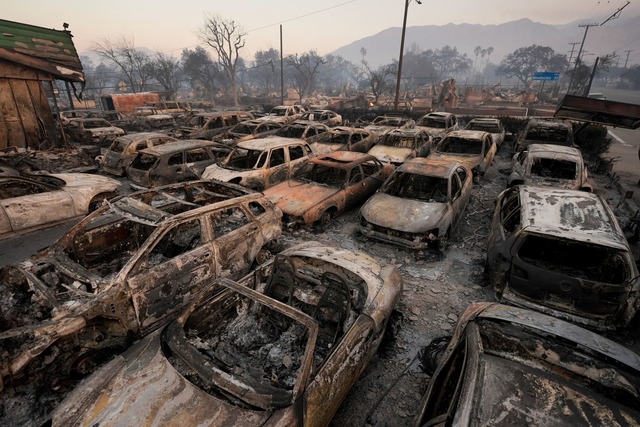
(546, 150)
(512, 366)
(178, 146)
(269, 143)
(570, 214)
(343, 159)
(432, 166)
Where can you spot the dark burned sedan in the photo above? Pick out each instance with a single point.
(507, 366)
(125, 270)
(285, 355)
(419, 205)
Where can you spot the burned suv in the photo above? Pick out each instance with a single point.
(125, 270)
(563, 253)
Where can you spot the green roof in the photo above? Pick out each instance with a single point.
(45, 49)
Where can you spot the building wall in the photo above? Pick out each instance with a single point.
(26, 120)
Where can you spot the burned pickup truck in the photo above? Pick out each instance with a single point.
(125, 270)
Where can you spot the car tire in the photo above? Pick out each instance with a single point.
(324, 219)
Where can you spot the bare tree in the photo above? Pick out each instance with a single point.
(379, 80)
(168, 73)
(305, 68)
(226, 38)
(132, 62)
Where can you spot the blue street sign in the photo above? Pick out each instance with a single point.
(546, 75)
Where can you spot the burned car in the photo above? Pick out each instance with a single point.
(382, 124)
(326, 117)
(472, 148)
(398, 145)
(94, 131)
(125, 270)
(281, 347)
(29, 203)
(149, 118)
(345, 138)
(550, 165)
(486, 124)
(179, 161)
(562, 252)
(327, 186)
(419, 205)
(309, 131)
(261, 163)
(283, 114)
(122, 151)
(438, 124)
(538, 131)
(209, 125)
(513, 367)
(246, 131)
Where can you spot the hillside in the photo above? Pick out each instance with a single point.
(619, 35)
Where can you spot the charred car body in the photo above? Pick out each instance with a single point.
(246, 131)
(283, 114)
(286, 353)
(562, 252)
(511, 366)
(326, 117)
(382, 124)
(398, 145)
(261, 163)
(122, 151)
(94, 131)
(40, 201)
(550, 165)
(327, 186)
(419, 205)
(559, 132)
(309, 131)
(438, 124)
(179, 161)
(472, 148)
(122, 272)
(345, 138)
(209, 125)
(493, 126)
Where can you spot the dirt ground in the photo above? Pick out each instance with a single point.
(436, 290)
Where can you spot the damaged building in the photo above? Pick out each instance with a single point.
(31, 58)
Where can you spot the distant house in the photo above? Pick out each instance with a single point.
(30, 59)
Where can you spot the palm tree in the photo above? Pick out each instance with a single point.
(476, 51)
(489, 52)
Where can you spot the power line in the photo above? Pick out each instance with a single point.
(304, 16)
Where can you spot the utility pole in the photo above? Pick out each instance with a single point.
(573, 47)
(626, 61)
(575, 68)
(587, 26)
(281, 70)
(404, 29)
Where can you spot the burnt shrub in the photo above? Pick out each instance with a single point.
(513, 125)
(593, 140)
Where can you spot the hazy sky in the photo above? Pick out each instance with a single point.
(171, 25)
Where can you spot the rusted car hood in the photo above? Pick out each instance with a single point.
(469, 160)
(410, 216)
(151, 392)
(390, 154)
(296, 197)
(557, 183)
(224, 173)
